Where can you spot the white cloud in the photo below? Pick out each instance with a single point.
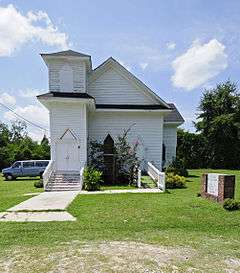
(17, 29)
(171, 45)
(143, 65)
(7, 99)
(200, 63)
(29, 93)
(34, 113)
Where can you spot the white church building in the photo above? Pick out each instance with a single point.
(89, 104)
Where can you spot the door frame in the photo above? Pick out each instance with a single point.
(70, 141)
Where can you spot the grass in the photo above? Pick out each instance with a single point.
(12, 192)
(178, 218)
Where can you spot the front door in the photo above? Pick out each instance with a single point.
(67, 155)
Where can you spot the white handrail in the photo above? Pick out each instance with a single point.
(139, 178)
(47, 173)
(157, 176)
(81, 177)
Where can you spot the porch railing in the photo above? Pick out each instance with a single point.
(48, 172)
(139, 178)
(157, 176)
(81, 177)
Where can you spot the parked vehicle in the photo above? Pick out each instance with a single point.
(25, 168)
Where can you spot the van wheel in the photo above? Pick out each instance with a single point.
(9, 177)
(41, 174)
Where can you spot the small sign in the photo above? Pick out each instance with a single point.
(212, 184)
(217, 186)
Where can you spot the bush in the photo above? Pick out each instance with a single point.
(38, 184)
(231, 204)
(92, 179)
(177, 167)
(175, 181)
(125, 158)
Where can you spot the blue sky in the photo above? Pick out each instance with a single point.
(177, 48)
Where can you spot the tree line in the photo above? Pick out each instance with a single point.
(15, 144)
(216, 143)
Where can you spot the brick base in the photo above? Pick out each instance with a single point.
(226, 187)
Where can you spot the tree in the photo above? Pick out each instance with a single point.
(191, 149)
(15, 144)
(5, 136)
(125, 158)
(219, 125)
(18, 130)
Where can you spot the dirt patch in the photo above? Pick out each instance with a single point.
(114, 256)
(96, 257)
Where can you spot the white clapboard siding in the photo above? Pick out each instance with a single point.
(56, 71)
(146, 129)
(170, 141)
(68, 116)
(66, 78)
(113, 88)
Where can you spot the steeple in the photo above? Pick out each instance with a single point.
(67, 70)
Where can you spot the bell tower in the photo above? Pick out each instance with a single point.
(67, 71)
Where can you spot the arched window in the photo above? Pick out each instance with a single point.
(109, 172)
(108, 145)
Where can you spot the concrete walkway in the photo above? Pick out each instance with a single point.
(40, 216)
(45, 207)
(47, 201)
(50, 206)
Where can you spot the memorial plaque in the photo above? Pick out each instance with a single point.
(212, 184)
(218, 186)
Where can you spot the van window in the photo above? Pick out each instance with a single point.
(16, 165)
(28, 164)
(41, 163)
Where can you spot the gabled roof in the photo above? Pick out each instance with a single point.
(112, 62)
(174, 116)
(66, 53)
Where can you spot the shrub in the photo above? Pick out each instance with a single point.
(38, 184)
(174, 181)
(92, 179)
(231, 204)
(125, 159)
(177, 167)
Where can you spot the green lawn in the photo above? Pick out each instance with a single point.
(178, 218)
(11, 192)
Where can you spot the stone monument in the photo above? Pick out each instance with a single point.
(217, 186)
